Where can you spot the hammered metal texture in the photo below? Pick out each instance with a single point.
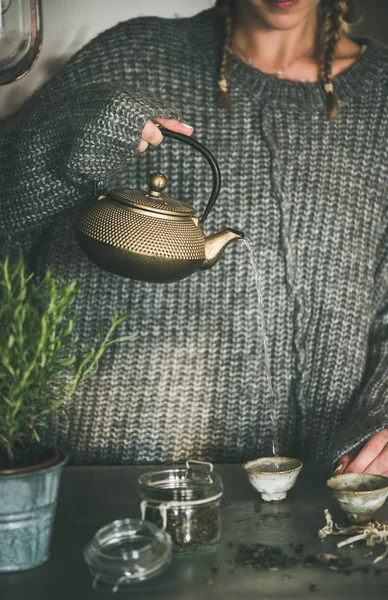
(163, 203)
(108, 222)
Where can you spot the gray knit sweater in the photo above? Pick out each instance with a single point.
(312, 196)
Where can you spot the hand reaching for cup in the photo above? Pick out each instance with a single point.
(151, 134)
(372, 458)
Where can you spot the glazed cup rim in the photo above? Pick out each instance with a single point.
(356, 492)
(258, 471)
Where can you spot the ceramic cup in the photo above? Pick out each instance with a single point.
(359, 495)
(273, 476)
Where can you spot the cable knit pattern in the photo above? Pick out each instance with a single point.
(309, 192)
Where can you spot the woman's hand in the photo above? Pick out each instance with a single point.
(373, 458)
(151, 133)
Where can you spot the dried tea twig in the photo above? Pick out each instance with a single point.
(373, 533)
(376, 533)
(332, 528)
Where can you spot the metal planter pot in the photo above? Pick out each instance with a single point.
(27, 508)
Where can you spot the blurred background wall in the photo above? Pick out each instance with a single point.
(69, 24)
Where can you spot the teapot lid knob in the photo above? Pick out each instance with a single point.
(157, 182)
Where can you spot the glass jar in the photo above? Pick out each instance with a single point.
(186, 503)
(20, 37)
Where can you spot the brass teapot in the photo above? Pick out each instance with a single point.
(149, 236)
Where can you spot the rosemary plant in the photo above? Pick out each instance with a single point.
(41, 364)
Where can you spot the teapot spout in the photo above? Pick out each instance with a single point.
(216, 244)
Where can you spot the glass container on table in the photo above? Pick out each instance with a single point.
(186, 502)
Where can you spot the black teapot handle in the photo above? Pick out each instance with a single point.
(210, 159)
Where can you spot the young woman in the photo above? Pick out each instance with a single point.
(296, 114)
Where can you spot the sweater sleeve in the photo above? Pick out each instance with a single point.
(369, 412)
(82, 126)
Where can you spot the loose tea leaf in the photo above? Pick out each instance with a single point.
(330, 561)
(260, 556)
(336, 563)
(192, 528)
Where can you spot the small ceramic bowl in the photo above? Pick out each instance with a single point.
(359, 495)
(273, 476)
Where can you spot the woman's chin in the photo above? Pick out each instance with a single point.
(281, 22)
(284, 15)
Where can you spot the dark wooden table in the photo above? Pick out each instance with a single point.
(93, 496)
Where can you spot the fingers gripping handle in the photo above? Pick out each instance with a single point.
(210, 159)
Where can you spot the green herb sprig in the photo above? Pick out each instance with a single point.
(41, 364)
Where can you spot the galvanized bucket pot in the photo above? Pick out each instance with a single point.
(27, 509)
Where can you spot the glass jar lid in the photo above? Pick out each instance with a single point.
(127, 551)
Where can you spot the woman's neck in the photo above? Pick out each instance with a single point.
(271, 49)
(294, 51)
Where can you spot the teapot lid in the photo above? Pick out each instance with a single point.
(153, 200)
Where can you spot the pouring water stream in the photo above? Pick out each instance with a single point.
(255, 266)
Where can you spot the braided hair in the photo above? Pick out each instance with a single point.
(226, 9)
(333, 27)
(333, 14)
